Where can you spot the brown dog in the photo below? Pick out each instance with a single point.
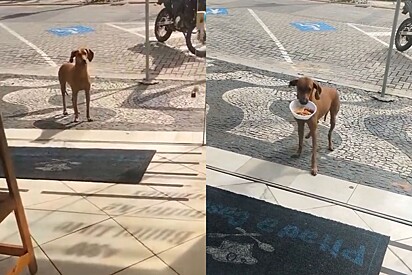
(326, 100)
(78, 78)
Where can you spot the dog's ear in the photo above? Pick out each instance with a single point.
(90, 55)
(73, 54)
(293, 82)
(318, 89)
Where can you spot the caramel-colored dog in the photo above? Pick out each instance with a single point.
(326, 100)
(78, 78)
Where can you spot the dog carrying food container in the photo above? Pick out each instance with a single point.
(295, 106)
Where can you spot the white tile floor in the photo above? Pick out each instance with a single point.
(398, 258)
(156, 227)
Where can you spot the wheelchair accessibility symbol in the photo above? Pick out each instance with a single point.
(312, 26)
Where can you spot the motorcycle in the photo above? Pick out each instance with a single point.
(403, 37)
(172, 18)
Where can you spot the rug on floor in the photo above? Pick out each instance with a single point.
(73, 164)
(249, 236)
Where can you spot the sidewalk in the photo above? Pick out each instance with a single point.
(155, 227)
(322, 196)
(116, 104)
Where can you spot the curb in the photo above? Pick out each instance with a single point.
(283, 70)
(137, 77)
(119, 3)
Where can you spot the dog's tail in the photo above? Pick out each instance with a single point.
(324, 118)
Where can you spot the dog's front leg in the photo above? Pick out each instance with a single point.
(64, 92)
(313, 133)
(301, 129)
(88, 104)
(74, 102)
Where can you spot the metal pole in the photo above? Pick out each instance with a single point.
(388, 59)
(147, 41)
(204, 120)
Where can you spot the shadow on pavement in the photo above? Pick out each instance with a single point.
(163, 57)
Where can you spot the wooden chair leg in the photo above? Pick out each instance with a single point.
(33, 265)
(26, 252)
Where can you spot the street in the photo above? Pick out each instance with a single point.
(252, 59)
(352, 53)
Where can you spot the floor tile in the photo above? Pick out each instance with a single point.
(35, 189)
(295, 201)
(194, 198)
(395, 264)
(194, 162)
(75, 204)
(108, 135)
(395, 230)
(225, 159)
(87, 187)
(171, 210)
(340, 214)
(324, 186)
(173, 168)
(151, 266)
(188, 258)
(403, 249)
(172, 180)
(162, 234)
(254, 190)
(43, 263)
(214, 178)
(100, 249)
(382, 201)
(123, 199)
(270, 171)
(45, 226)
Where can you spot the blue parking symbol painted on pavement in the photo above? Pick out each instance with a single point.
(312, 26)
(66, 31)
(216, 11)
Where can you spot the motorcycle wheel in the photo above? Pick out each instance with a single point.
(163, 16)
(407, 24)
(192, 49)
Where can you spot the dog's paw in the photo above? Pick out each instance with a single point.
(330, 148)
(76, 119)
(65, 113)
(89, 119)
(314, 171)
(307, 136)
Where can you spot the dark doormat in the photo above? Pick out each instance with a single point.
(72, 164)
(249, 236)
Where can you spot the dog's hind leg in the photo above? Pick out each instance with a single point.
(332, 126)
(64, 93)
